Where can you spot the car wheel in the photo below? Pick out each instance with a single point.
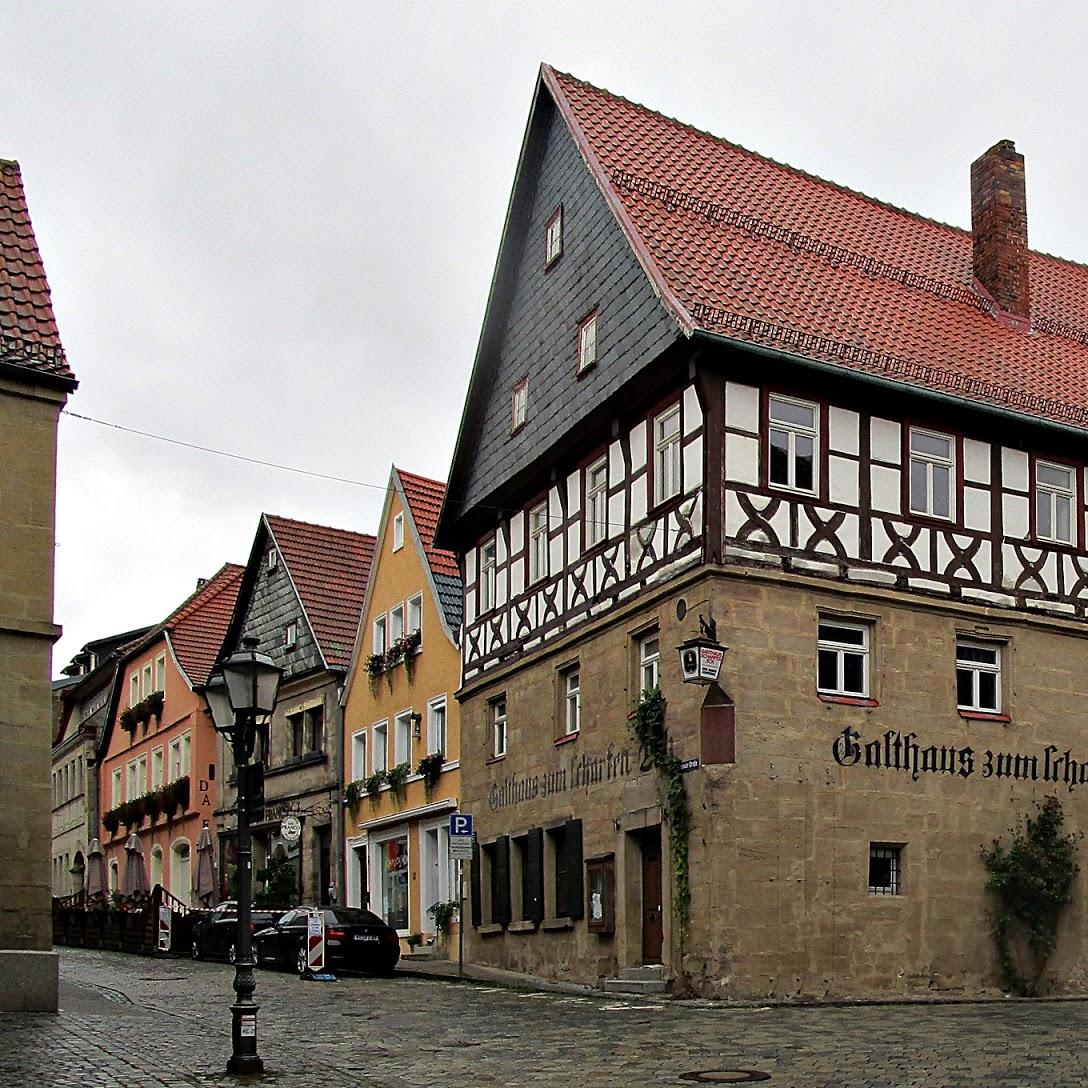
(300, 962)
(194, 950)
(232, 953)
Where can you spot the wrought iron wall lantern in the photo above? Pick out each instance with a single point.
(700, 657)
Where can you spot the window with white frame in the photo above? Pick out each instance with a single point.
(396, 622)
(273, 559)
(667, 454)
(379, 641)
(130, 781)
(436, 726)
(571, 681)
(793, 434)
(519, 404)
(141, 776)
(553, 236)
(160, 672)
(148, 680)
(157, 768)
(115, 788)
(842, 666)
(402, 738)
(596, 512)
(180, 750)
(885, 869)
(379, 755)
(486, 587)
(932, 473)
(290, 636)
(134, 689)
(358, 754)
(415, 613)
(538, 541)
(1055, 501)
(978, 676)
(497, 708)
(587, 343)
(649, 661)
(398, 532)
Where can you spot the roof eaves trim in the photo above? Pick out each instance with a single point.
(657, 280)
(893, 384)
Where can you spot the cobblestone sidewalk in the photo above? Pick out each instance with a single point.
(131, 1021)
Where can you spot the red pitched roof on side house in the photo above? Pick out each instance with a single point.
(747, 249)
(198, 626)
(330, 569)
(29, 339)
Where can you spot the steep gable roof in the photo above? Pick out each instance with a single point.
(197, 627)
(424, 499)
(754, 251)
(329, 569)
(30, 346)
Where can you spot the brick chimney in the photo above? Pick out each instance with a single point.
(999, 227)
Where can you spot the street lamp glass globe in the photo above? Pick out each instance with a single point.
(253, 680)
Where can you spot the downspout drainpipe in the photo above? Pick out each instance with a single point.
(338, 864)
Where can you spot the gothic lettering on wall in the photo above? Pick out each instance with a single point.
(577, 773)
(907, 753)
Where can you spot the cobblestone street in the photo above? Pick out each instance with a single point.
(131, 1021)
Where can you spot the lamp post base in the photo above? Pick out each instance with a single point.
(243, 1065)
(245, 1060)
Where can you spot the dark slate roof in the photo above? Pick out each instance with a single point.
(330, 569)
(29, 338)
(424, 499)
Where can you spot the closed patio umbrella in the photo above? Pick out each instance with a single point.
(205, 868)
(96, 880)
(135, 881)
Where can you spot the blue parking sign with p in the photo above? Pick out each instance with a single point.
(460, 823)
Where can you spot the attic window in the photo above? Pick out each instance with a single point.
(290, 636)
(273, 559)
(553, 237)
(519, 405)
(587, 343)
(398, 532)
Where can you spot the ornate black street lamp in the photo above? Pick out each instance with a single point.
(239, 692)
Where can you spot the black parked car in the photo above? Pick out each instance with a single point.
(355, 940)
(215, 931)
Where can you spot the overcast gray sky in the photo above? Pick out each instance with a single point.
(270, 228)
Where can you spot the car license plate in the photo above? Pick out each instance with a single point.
(366, 937)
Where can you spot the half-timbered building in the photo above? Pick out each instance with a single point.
(711, 386)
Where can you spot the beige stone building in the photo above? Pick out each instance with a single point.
(35, 381)
(715, 394)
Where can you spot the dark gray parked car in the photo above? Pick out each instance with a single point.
(215, 931)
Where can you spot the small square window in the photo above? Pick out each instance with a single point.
(553, 237)
(1055, 501)
(587, 343)
(290, 636)
(398, 532)
(519, 405)
(842, 658)
(885, 869)
(932, 472)
(498, 726)
(793, 437)
(978, 676)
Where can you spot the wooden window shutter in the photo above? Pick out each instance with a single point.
(474, 878)
(532, 884)
(500, 885)
(575, 889)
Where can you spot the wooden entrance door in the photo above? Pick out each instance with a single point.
(652, 931)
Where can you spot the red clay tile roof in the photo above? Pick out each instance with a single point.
(759, 252)
(29, 338)
(197, 627)
(330, 568)
(425, 499)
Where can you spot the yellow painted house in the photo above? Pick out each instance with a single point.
(401, 728)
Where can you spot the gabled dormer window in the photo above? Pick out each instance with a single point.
(398, 532)
(553, 237)
(519, 405)
(587, 342)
